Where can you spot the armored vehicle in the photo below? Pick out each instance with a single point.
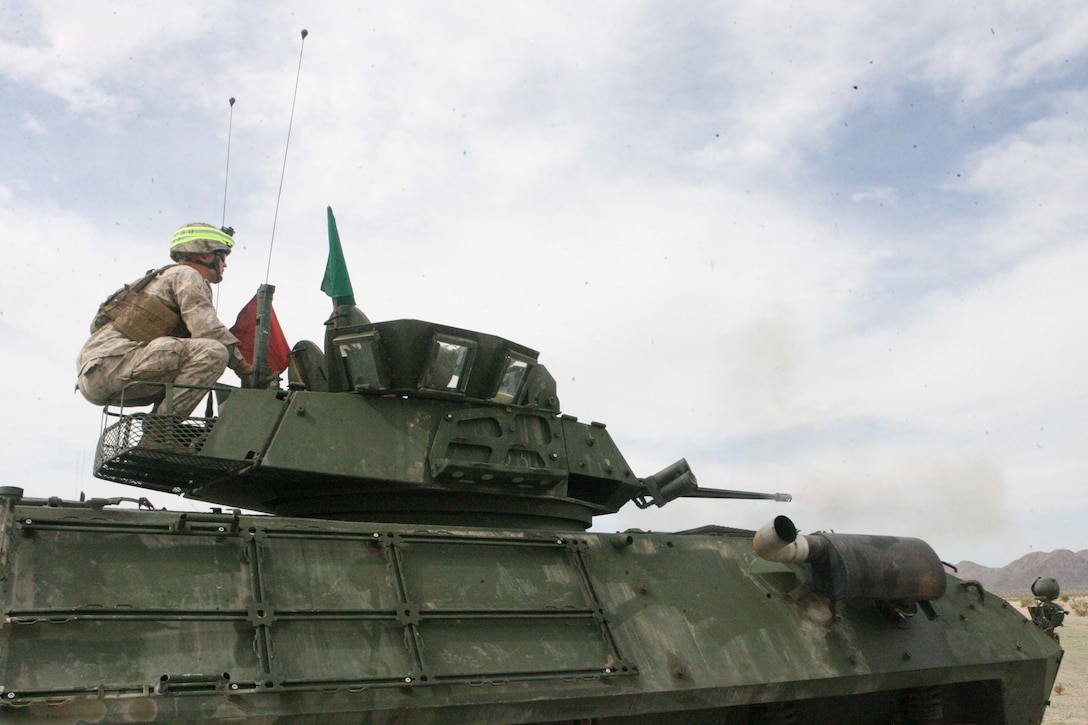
(402, 535)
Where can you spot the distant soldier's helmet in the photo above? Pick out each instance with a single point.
(1046, 588)
(200, 239)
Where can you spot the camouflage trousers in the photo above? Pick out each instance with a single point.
(182, 361)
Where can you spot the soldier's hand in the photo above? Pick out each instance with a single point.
(244, 371)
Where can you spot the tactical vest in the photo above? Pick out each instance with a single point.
(138, 315)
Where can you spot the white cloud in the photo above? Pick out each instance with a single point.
(79, 52)
(32, 124)
(880, 195)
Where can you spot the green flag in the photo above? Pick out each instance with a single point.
(337, 283)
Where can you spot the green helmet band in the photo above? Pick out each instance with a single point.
(200, 233)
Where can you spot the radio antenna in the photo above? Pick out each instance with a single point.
(226, 174)
(226, 179)
(286, 147)
(262, 376)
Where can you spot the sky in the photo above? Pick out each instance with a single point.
(831, 249)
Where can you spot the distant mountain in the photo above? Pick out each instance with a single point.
(1070, 568)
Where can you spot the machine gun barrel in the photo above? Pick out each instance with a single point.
(677, 481)
(725, 493)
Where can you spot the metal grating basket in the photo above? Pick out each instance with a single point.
(160, 452)
(157, 432)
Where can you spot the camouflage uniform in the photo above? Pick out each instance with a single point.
(109, 360)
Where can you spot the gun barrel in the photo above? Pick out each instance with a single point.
(725, 493)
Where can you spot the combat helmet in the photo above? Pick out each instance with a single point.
(199, 238)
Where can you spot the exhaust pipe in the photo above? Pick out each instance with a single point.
(777, 541)
(856, 566)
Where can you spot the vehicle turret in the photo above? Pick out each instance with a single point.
(400, 421)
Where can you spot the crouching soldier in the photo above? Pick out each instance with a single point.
(163, 328)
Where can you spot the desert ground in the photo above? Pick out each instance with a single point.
(1069, 701)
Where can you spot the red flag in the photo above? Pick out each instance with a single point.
(245, 330)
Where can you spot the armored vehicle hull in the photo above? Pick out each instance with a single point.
(421, 554)
(117, 614)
